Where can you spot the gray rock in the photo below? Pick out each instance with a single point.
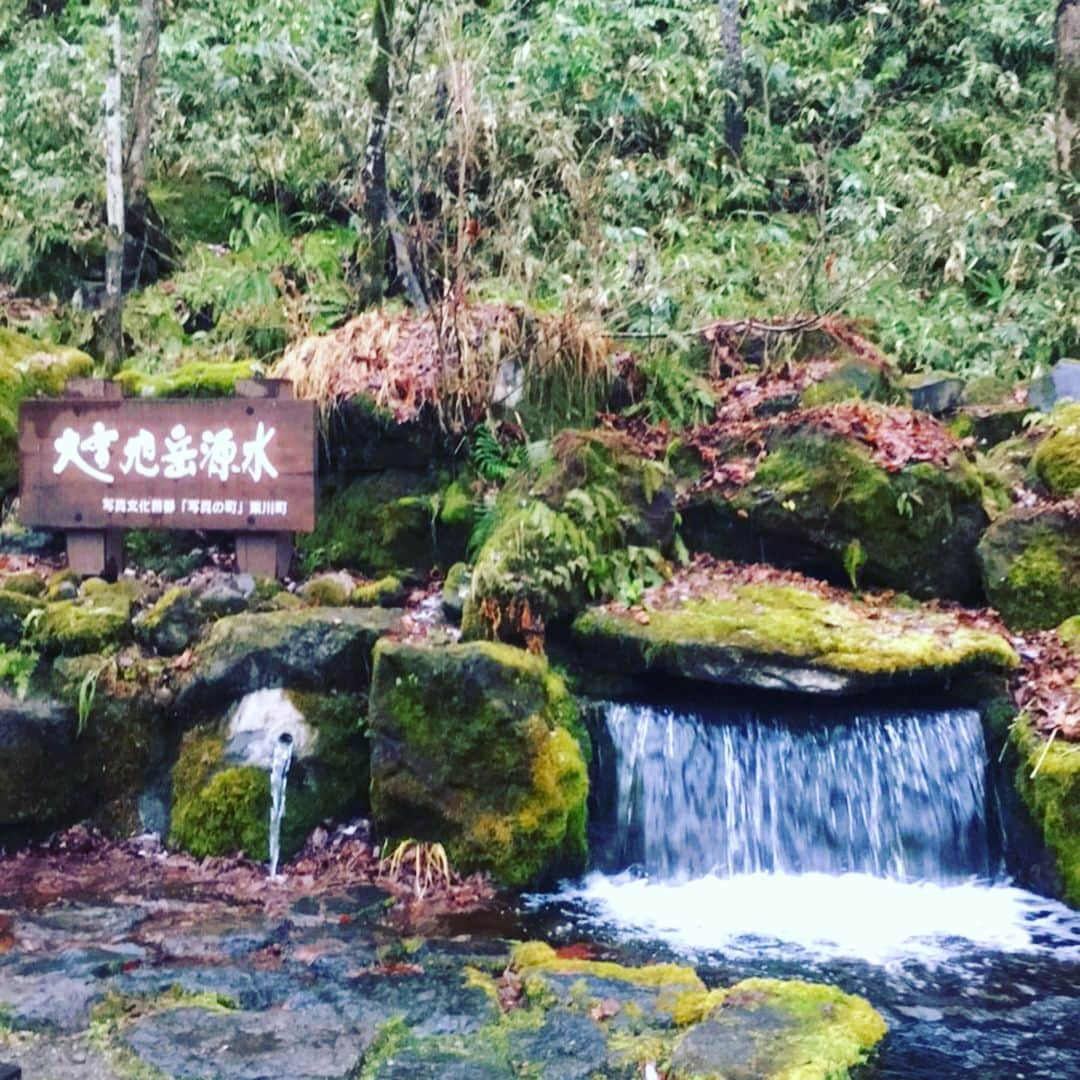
(225, 594)
(313, 1044)
(935, 392)
(1061, 381)
(318, 649)
(172, 624)
(567, 1047)
(735, 1044)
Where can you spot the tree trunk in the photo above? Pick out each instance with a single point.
(1067, 110)
(114, 208)
(142, 105)
(731, 35)
(379, 208)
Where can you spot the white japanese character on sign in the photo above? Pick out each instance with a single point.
(218, 453)
(255, 461)
(179, 457)
(140, 453)
(69, 450)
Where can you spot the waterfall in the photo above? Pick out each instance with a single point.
(897, 794)
(279, 772)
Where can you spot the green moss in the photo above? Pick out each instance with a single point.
(789, 623)
(193, 208)
(195, 379)
(986, 390)
(229, 814)
(1069, 631)
(456, 505)
(14, 609)
(816, 493)
(327, 590)
(26, 582)
(537, 956)
(1048, 779)
(172, 623)
(387, 591)
(377, 525)
(98, 618)
(827, 1032)
(961, 426)
(1057, 460)
(472, 748)
(1030, 562)
(28, 369)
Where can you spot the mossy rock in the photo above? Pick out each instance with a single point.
(787, 1029)
(816, 493)
(1057, 460)
(195, 379)
(594, 498)
(387, 591)
(328, 590)
(857, 379)
(221, 785)
(307, 649)
(15, 607)
(381, 523)
(455, 591)
(1030, 563)
(29, 368)
(98, 618)
(26, 582)
(172, 623)
(780, 637)
(122, 739)
(479, 747)
(37, 759)
(1048, 779)
(1069, 632)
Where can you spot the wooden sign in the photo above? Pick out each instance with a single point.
(245, 465)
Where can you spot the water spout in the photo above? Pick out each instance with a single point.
(279, 772)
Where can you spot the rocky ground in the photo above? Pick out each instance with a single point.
(153, 965)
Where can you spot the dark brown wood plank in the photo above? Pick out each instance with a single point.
(236, 465)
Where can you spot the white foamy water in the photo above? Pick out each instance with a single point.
(844, 915)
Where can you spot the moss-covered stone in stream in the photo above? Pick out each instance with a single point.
(1048, 779)
(328, 590)
(815, 493)
(1057, 460)
(780, 637)
(1030, 563)
(99, 617)
(562, 531)
(479, 747)
(29, 368)
(194, 379)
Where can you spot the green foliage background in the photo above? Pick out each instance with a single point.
(898, 167)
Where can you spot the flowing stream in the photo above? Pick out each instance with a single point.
(859, 848)
(279, 775)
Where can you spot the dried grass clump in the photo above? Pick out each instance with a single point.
(448, 359)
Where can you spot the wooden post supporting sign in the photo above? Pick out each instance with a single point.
(94, 464)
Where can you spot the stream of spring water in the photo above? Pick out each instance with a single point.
(279, 774)
(857, 848)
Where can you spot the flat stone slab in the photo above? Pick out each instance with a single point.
(313, 1044)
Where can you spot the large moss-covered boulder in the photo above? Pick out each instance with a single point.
(1030, 564)
(721, 625)
(1048, 779)
(478, 747)
(398, 519)
(564, 531)
(221, 780)
(310, 649)
(801, 493)
(29, 368)
(37, 753)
